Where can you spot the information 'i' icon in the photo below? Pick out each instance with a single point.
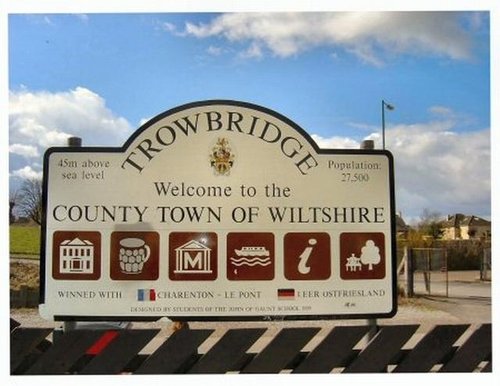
(303, 268)
(307, 256)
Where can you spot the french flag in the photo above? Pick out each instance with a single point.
(146, 295)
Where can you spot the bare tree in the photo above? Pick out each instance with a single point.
(29, 201)
(430, 223)
(12, 204)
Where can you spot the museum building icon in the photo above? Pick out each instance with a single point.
(192, 257)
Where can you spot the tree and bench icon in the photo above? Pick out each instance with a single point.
(362, 255)
(370, 255)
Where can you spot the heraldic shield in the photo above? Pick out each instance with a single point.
(222, 158)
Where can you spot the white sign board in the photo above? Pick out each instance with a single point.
(213, 210)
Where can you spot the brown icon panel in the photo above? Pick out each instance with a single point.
(362, 256)
(134, 255)
(250, 256)
(76, 255)
(192, 256)
(307, 256)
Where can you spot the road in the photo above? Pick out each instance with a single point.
(466, 298)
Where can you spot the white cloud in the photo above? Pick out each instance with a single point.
(168, 27)
(24, 150)
(477, 20)
(335, 142)
(371, 36)
(253, 51)
(441, 111)
(38, 120)
(27, 173)
(143, 121)
(436, 167)
(45, 119)
(449, 171)
(214, 50)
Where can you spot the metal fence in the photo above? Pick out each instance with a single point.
(486, 265)
(342, 349)
(430, 270)
(24, 297)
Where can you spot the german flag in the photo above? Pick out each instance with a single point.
(286, 294)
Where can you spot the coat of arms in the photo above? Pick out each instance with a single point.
(221, 158)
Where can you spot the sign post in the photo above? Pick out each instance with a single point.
(218, 210)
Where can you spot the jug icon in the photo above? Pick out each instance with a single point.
(133, 253)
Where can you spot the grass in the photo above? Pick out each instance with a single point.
(24, 240)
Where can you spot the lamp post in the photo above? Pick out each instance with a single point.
(387, 106)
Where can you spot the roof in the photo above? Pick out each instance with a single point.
(193, 245)
(400, 224)
(76, 242)
(458, 220)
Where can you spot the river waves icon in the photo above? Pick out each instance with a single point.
(250, 262)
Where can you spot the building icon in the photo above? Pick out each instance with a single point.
(192, 257)
(76, 256)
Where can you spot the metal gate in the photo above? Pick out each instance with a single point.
(341, 349)
(430, 271)
(486, 264)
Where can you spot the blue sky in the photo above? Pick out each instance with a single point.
(99, 76)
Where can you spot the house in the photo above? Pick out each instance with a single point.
(401, 228)
(462, 227)
(76, 256)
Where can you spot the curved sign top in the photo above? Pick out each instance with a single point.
(218, 210)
